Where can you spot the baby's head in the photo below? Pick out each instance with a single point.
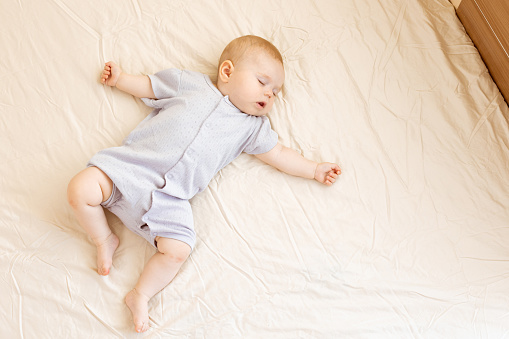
(251, 73)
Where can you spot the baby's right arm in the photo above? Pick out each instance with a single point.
(137, 85)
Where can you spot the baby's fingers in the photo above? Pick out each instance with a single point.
(331, 177)
(104, 76)
(333, 173)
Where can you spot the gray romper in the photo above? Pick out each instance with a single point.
(192, 133)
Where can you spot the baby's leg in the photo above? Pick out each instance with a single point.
(159, 272)
(86, 191)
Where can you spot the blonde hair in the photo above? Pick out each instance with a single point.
(240, 47)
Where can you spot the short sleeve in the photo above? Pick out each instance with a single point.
(263, 139)
(166, 83)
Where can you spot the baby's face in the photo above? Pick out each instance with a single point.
(254, 83)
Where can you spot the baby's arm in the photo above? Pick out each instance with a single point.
(137, 85)
(291, 162)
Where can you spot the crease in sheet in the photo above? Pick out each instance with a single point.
(401, 311)
(303, 209)
(19, 234)
(114, 331)
(151, 320)
(77, 19)
(217, 200)
(20, 296)
(241, 271)
(373, 237)
(211, 311)
(200, 277)
(414, 151)
(484, 259)
(68, 285)
(292, 241)
(494, 104)
(253, 278)
(393, 39)
(436, 316)
(387, 195)
(367, 109)
(137, 8)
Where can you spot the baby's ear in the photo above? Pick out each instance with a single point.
(225, 70)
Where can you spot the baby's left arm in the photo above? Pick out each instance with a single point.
(138, 85)
(291, 162)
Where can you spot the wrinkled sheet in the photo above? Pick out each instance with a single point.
(411, 242)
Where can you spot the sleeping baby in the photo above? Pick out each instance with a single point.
(197, 127)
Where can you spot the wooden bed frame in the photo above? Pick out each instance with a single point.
(487, 23)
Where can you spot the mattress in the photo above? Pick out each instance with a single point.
(411, 242)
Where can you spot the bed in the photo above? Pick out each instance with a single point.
(411, 242)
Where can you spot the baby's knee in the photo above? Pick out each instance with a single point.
(174, 250)
(89, 187)
(74, 198)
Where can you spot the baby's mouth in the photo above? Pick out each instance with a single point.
(261, 104)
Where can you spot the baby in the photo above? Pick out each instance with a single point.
(196, 128)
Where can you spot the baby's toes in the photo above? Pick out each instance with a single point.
(141, 327)
(103, 271)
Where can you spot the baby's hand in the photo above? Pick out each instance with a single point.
(326, 173)
(110, 74)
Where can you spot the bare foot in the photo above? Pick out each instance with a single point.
(105, 252)
(138, 304)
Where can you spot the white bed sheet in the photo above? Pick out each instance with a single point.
(411, 242)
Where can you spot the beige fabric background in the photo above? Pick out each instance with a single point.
(412, 242)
